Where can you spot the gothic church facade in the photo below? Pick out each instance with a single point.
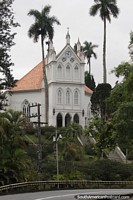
(69, 98)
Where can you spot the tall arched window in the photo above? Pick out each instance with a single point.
(68, 72)
(89, 111)
(76, 101)
(68, 97)
(26, 109)
(76, 72)
(59, 97)
(59, 71)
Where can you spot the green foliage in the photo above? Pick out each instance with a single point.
(43, 25)
(88, 50)
(98, 99)
(48, 131)
(123, 124)
(117, 96)
(106, 9)
(89, 81)
(123, 70)
(131, 38)
(107, 170)
(104, 134)
(120, 107)
(14, 160)
(6, 42)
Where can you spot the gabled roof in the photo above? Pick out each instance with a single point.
(65, 47)
(31, 81)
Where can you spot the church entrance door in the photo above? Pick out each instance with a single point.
(76, 119)
(59, 120)
(67, 119)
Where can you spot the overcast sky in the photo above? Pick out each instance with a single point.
(75, 15)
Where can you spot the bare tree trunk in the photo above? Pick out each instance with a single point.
(45, 84)
(104, 54)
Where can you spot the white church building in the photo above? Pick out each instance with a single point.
(69, 98)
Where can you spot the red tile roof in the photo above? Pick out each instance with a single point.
(88, 90)
(33, 81)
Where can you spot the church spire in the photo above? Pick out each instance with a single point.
(67, 37)
(78, 45)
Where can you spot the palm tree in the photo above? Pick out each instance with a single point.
(43, 27)
(12, 147)
(106, 9)
(88, 50)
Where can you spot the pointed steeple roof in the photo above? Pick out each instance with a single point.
(67, 37)
(78, 45)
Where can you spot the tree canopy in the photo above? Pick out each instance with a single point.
(106, 9)
(6, 42)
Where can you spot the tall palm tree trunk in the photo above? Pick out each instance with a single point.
(45, 83)
(104, 54)
(89, 61)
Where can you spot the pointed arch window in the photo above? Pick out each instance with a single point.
(68, 72)
(26, 108)
(68, 97)
(59, 71)
(76, 98)
(59, 97)
(76, 72)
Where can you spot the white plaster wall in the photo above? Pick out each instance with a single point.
(86, 103)
(17, 99)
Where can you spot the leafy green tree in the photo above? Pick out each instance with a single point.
(71, 146)
(98, 100)
(104, 134)
(6, 42)
(123, 90)
(130, 47)
(106, 8)
(120, 106)
(88, 50)
(14, 161)
(107, 170)
(43, 27)
(89, 81)
(123, 70)
(131, 38)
